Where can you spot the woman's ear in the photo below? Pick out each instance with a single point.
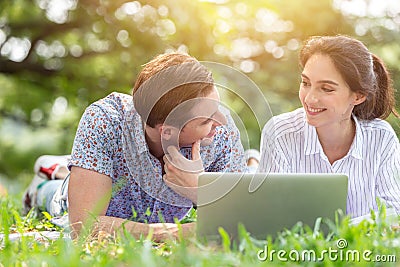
(359, 98)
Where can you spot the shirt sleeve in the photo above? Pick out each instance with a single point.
(272, 157)
(388, 178)
(95, 141)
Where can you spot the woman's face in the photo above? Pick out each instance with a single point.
(325, 96)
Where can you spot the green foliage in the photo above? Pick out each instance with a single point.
(374, 235)
(67, 59)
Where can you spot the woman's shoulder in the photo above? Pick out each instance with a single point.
(379, 130)
(376, 125)
(292, 116)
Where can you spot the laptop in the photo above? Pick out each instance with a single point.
(266, 203)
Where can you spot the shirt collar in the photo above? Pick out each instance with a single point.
(356, 147)
(313, 146)
(311, 141)
(133, 130)
(140, 134)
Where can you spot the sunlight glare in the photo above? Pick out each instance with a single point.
(248, 66)
(219, 49)
(293, 44)
(221, 27)
(123, 38)
(16, 49)
(224, 12)
(219, 2)
(165, 27)
(278, 52)
(3, 37)
(57, 10)
(269, 22)
(270, 45)
(163, 11)
(76, 50)
(131, 8)
(241, 9)
(60, 106)
(372, 8)
(37, 115)
(245, 48)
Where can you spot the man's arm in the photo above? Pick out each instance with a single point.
(159, 231)
(89, 194)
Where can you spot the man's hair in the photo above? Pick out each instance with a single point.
(168, 98)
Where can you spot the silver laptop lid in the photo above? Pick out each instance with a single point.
(266, 203)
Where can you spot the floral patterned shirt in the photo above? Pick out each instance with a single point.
(110, 140)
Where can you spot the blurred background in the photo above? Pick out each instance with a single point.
(58, 56)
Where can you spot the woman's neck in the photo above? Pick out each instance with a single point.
(336, 140)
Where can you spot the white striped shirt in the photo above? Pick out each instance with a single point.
(290, 145)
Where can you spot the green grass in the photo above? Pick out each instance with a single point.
(373, 238)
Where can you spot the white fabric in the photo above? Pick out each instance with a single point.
(290, 145)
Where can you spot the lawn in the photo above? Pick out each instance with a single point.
(371, 243)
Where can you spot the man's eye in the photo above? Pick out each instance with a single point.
(304, 83)
(207, 121)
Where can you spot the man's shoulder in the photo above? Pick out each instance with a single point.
(114, 106)
(115, 100)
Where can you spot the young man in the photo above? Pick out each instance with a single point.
(136, 159)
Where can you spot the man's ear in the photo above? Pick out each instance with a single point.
(167, 132)
(360, 98)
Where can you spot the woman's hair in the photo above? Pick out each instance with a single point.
(364, 73)
(162, 71)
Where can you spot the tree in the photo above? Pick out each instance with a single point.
(56, 57)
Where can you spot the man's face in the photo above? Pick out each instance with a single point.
(205, 118)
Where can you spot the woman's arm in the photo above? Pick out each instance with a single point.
(388, 177)
(89, 194)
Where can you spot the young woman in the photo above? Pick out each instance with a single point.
(346, 92)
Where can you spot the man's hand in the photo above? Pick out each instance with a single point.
(171, 231)
(181, 174)
(108, 227)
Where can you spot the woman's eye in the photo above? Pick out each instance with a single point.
(327, 90)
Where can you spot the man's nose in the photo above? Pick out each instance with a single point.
(219, 119)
